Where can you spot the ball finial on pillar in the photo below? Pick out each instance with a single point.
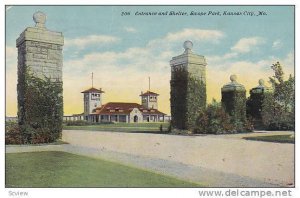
(188, 45)
(233, 78)
(40, 19)
(261, 82)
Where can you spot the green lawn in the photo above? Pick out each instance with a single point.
(273, 138)
(123, 127)
(61, 169)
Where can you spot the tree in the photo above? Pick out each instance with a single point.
(278, 111)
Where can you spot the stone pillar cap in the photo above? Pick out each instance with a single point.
(39, 32)
(261, 84)
(233, 85)
(261, 87)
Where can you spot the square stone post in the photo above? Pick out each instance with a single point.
(188, 87)
(40, 62)
(234, 100)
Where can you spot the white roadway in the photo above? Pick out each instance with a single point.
(267, 162)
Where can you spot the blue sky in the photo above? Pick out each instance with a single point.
(123, 51)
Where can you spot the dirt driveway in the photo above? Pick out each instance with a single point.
(267, 162)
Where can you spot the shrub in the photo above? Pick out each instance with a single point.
(76, 123)
(40, 109)
(248, 125)
(214, 120)
(83, 123)
(13, 133)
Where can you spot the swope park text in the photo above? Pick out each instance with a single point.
(196, 13)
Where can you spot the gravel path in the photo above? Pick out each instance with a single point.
(184, 156)
(182, 171)
(263, 161)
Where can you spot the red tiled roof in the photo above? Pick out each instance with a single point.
(147, 93)
(123, 108)
(92, 89)
(117, 108)
(152, 111)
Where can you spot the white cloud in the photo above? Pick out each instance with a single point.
(221, 58)
(277, 44)
(174, 40)
(195, 35)
(130, 29)
(82, 42)
(245, 45)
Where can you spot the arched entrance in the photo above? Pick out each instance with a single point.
(135, 118)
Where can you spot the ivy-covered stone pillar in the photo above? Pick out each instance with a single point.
(40, 61)
(255, 103)
(234, 100)
(188, 87)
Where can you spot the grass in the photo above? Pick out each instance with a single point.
(273, 138)
(123, 127)
(61, 169)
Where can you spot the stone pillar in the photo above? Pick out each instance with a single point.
(188, 87)
(40, 62)
(234, 99)
(255, 102)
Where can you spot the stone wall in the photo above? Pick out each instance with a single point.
(41, 59)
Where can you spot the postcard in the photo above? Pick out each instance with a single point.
(111, 96)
